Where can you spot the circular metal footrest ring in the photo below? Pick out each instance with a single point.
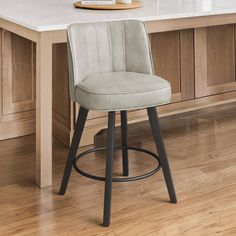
(125, 179)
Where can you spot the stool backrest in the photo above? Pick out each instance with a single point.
(107, 47)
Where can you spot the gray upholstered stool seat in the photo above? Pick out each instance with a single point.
(122, 91)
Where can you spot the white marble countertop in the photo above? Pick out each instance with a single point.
(47, 15)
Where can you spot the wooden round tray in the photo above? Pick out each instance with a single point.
(117, 6)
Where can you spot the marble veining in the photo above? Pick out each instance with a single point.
(48, 15)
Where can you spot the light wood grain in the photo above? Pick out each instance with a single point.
(200, 61)
(117, 6)
(18, 74)
(220, 55)
(44, 111)
(173, 55)
(188, 23)
(204, 179)
(214, 60)
(17, 104)
(166, 56)
(187, 64)
(20, 30)
(62, 104)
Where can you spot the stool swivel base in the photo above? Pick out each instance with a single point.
(161, 158)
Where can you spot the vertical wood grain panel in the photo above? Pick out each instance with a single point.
(22, 69)
(214, 60)
(6, 72)
(166, 57)
(61, 98)
(200, 62)
(44, 110)
(187, 64)
(173, 56)
(17, 86)
(18, 74)
(220, 55)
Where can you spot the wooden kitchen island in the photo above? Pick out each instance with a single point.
(193, 44)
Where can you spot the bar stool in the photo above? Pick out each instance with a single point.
(111, 69)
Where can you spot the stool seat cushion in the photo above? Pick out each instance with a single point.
(115, 91)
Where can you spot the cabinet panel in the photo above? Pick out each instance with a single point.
(22, 73)
(220, 55)
(18, 77)
(61, 99)
(215, 60)
(173, 57)
(166, 56)
(17, 86)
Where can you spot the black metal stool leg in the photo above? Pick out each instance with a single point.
(124, 143)
(109, 163)
(79, 127)
(156, 131)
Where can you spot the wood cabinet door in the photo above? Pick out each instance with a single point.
(17, 77)
(173, 56)
(214, 60)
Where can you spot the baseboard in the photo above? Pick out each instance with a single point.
(18, 128)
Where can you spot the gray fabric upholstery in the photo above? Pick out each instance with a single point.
(122, 90)
(111, 67)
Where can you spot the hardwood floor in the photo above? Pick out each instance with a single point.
(201, 146)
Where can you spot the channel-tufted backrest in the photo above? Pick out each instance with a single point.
(107, 47)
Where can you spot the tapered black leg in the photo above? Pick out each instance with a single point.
(124, 143)
(79, 127)
(108, 174)
(156, 131)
